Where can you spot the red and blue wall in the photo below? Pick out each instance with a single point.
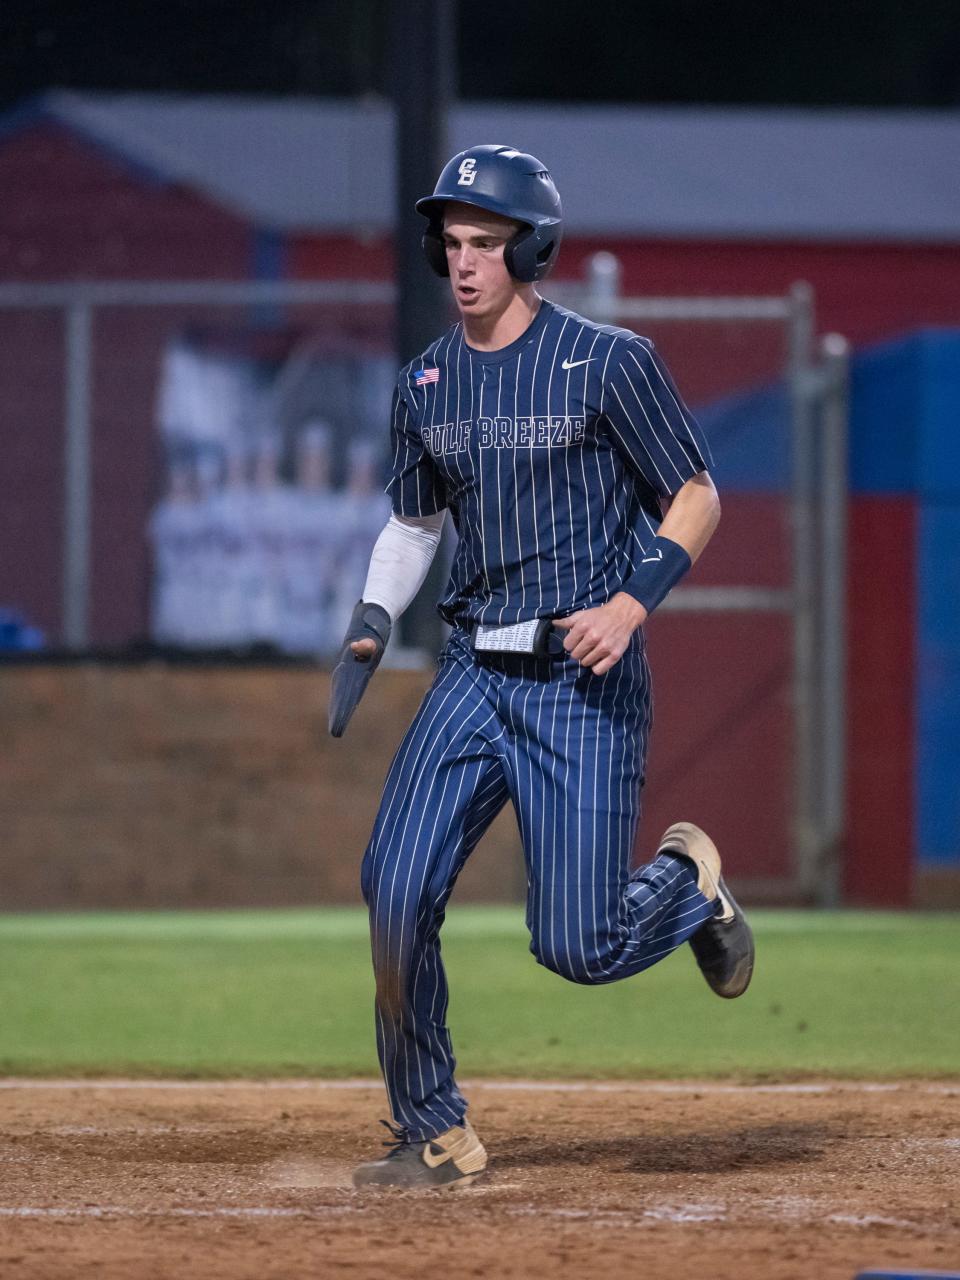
(904, 615)
(902, 842)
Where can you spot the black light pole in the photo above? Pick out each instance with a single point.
(423, 82)
(422, 79)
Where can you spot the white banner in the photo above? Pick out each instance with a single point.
(272, 495)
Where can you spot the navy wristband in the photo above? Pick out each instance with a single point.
(664, 564)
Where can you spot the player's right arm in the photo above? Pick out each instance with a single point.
(399, 563)
(401, 559)
(406, 547)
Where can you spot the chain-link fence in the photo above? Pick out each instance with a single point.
(197, 465)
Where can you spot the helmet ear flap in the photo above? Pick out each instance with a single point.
(519, 255)
(529, 254)
(434, 249)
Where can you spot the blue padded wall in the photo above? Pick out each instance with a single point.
(938, 684)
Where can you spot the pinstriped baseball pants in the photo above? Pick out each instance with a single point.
(567, 748)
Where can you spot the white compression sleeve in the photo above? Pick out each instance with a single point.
(401, 557)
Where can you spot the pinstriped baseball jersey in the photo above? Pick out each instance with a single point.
(552, 453)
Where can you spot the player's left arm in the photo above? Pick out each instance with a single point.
(661, 442)
(693, 515)
(598, 637)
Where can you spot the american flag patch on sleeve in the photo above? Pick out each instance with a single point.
(423, 376)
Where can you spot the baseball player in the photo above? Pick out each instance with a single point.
(553, 443)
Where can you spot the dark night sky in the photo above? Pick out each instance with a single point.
(814, 52)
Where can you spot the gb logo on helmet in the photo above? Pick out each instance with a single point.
(468, 173)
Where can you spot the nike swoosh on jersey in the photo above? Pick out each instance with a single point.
(575, 364)
(653, 559)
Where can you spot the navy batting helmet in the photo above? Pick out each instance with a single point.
(508, 182)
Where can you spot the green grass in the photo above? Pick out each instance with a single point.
(289, 993)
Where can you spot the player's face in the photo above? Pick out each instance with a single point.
(474, 240)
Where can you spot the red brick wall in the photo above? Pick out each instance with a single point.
(154, 786)
(159, 787)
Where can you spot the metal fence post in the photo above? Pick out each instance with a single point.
(805, 683)
(77, 469)
(604, 278)
(834, 416)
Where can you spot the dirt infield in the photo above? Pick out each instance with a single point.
(671, 1182)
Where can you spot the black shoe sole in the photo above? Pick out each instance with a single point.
(456, 1183)
(724, 950)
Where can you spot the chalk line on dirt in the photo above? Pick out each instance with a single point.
(945, 1089)
(797, 1210)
